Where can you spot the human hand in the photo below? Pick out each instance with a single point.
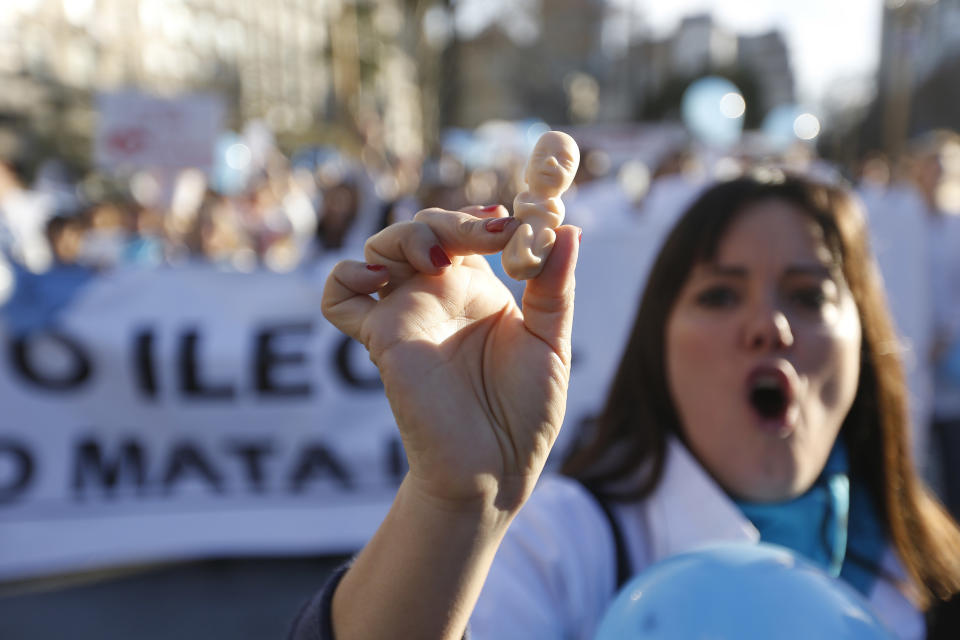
(477, 386)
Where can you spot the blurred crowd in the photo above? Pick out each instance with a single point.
(289, 210)
(268, 210)
(281, 215)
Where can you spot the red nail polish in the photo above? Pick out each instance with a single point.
(489, 208)
(439, 257)
(496, 225)
(580, 236)
(376, 267)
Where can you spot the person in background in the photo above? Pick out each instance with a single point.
(943, 262)
(340, 205)
(110, 228)
(759, 398)
(65, 234)
(23, 217)
(146, 246)
(38, 299)
(897, 220)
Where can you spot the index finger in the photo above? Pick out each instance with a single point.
(486, 211)
(436, 239)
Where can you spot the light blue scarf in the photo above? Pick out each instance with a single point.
(833, 524)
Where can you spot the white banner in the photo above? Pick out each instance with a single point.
(188, 412)
(137, 130)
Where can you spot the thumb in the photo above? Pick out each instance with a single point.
(548, 298)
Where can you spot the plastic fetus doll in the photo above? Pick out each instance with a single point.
(549, 173)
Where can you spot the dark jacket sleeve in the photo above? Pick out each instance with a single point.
(315, 620)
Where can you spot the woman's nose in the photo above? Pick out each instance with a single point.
(768, 329)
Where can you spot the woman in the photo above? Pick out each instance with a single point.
(761, 375)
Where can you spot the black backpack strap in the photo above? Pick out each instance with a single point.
(624, 570)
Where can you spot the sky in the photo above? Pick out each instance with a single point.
(828, 40)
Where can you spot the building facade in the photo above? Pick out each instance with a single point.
(916, 79)
(295, 64)
(766, 59)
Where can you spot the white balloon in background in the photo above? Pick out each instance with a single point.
(806, 126)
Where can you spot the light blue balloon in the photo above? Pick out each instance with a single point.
(224, 178)
(778, 125)
(700, 108)
(738, 592)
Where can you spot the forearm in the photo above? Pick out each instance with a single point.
(421, 573)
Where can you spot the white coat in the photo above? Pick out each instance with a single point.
(555, 573)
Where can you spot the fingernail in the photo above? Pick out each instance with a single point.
(580, 236)
(439, 257)
(376, 267)
(489, 208)
(496, 225)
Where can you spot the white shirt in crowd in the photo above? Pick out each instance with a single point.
(24, 215)
(897, 218)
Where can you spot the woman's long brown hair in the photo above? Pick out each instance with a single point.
(622, 455)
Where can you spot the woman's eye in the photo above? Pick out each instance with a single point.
(812, 298)
(718, 297)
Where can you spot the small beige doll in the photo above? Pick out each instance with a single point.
(539, 209)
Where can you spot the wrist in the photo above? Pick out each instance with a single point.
(424, 567)
(486, 511)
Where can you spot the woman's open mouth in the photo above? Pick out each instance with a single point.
(768, 399)
(770, 394)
